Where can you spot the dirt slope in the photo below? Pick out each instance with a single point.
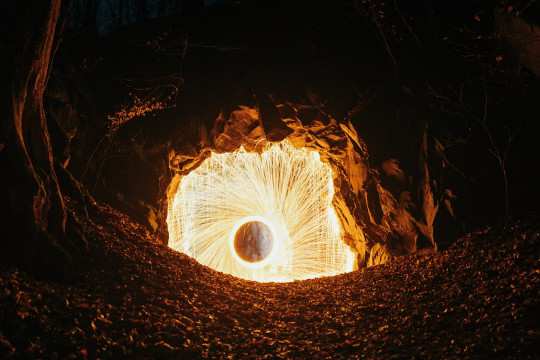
(138, 299)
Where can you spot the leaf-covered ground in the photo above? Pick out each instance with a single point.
(479, 299)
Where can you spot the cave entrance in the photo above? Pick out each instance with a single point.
(264, 216)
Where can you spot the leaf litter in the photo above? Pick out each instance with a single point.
(136, 298)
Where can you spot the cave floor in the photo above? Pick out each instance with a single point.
(139, 299)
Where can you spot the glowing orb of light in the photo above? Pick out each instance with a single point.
(280, 199)
(252, 241)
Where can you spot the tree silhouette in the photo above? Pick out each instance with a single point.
(33, 218)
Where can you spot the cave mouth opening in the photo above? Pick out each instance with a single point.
(266, 216)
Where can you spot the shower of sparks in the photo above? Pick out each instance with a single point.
(288, 188)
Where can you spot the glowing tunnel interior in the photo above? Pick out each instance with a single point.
(263, 217)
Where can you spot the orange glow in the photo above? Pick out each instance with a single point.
(289, 190)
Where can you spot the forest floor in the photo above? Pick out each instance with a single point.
(140, 299)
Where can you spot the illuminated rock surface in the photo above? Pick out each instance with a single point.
(139, 299)
(374, 223)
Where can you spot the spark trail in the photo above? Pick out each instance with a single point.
(288, 189)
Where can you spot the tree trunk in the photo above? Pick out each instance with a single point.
(141, 10)
(175, 4)
(161, 8)
(90, 15)
(33, 214)
(120, 13)
(127, 7)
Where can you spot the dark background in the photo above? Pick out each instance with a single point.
(388, 67)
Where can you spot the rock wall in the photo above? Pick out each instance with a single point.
(375, 224)
(522, 38)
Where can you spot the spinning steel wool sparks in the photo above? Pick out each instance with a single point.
(263, 217)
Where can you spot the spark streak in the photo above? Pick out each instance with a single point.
(290, 189)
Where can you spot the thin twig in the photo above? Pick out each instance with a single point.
(396, 68)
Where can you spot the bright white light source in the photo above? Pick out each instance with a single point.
(287, 189)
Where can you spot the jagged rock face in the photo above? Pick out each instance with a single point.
(375, 224)
(522, 37)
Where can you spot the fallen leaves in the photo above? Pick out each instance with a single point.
(139, 299)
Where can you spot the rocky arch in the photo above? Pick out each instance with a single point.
(375, 224)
